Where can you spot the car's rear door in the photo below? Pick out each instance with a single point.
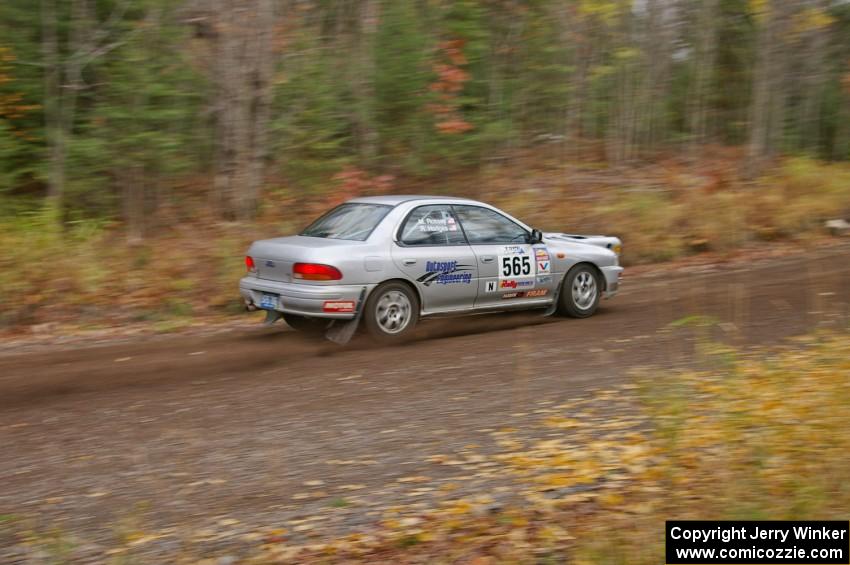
(431, 250)
(511, 271)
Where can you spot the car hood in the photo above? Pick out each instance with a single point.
(605, 241)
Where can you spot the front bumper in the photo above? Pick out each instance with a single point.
(612, 280)
(302, 299)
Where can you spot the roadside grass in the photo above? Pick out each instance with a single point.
(752, 435)
(676, 210)
(89, 274)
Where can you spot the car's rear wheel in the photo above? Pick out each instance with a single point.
(312, 326)
(581, 292)
(391, 312)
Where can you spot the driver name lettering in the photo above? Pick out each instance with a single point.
(436, 225)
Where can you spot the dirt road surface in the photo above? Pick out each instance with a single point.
(257, 428)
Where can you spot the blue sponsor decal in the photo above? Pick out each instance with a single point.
(441, 266)
(445, 272)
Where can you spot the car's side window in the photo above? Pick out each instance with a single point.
(482, 226)
(431, 225)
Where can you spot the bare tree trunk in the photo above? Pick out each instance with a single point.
(812, 83)
(841, 140)
(767, 108)
(224, 66)
(53, 103)
(654, 83)
(702, 67)
(779, 79)
(244, 65)
(259, 104)
(760, 106)
(132, 179)
(63, 79)
(574, 34)
(362, 82)
(622, 109)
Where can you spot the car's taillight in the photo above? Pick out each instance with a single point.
(315, 272)
(249, 264)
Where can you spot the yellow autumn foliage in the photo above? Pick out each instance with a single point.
(761, 435)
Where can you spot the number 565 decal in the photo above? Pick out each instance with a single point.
(516, 261)
(515, 266)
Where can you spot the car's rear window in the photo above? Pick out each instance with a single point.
(353, 221)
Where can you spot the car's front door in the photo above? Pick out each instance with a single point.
(511, 271)
(431, 249)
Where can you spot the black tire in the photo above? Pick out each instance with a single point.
(582, 303)
(303, 324)
(388, 302)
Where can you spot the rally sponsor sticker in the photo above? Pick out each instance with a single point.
(338, 306)
(446, 272)
(536, 293)
(542, 260)
(516, 283)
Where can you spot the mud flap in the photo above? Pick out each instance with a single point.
(555, 298)
(272, 316)
(342, 332)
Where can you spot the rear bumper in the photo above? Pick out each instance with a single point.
(612, 280)
(303, 299)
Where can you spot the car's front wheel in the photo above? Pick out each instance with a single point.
(581, 292)
(391, 312)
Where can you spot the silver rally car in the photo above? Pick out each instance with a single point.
(389, 260)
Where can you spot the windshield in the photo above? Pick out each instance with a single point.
(348, 221)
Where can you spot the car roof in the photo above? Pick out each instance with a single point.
(396, 199)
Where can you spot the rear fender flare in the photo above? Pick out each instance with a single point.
(404, 282)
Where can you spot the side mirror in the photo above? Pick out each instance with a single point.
(536, 236)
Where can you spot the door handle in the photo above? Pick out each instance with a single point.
(409, 261)
(488, 258)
